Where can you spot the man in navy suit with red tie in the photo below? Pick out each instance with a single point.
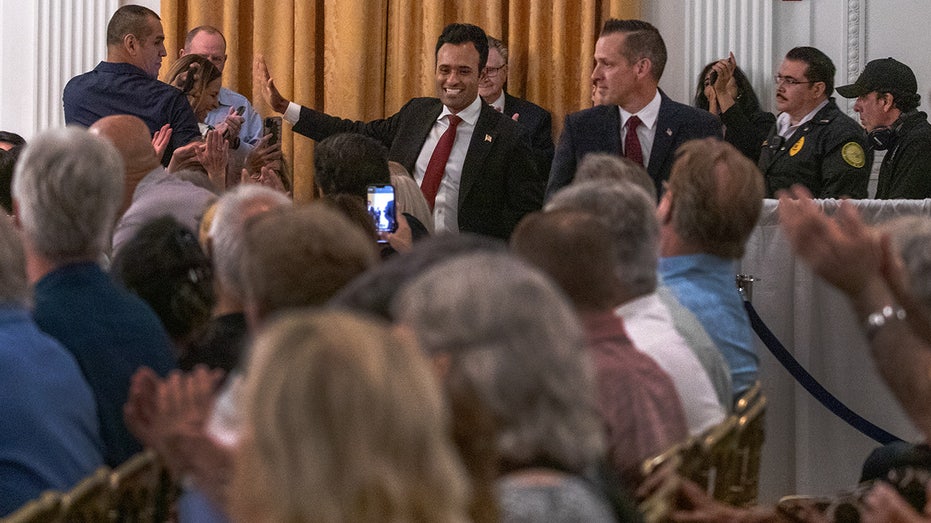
(473, 163)
(638, 120)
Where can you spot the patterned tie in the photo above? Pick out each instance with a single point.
(437, 166)
(632, 148)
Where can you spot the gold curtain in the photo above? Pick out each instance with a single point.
(363, 59)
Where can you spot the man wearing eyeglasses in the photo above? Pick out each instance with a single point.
(637, 120)
(536, 120)
(813, 143)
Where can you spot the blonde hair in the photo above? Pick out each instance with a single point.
(344, 422)
(408, 196)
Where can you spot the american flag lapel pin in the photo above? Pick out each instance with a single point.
(488, 138)
(668, 132)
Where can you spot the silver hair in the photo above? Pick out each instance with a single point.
(234, 209)
(605, 166)
(69, 186)
(514, 340)
(14, 290)
(631, 215)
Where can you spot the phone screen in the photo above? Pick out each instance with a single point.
(380, 203)
(273, 127)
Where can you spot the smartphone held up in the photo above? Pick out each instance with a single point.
(381, 207)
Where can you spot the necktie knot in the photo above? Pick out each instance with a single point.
(633, 122)
(433, 175)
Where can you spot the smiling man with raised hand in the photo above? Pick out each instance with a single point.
(813, 142)
(127, 81)
(473, 164)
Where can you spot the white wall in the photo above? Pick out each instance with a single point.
(42, 45)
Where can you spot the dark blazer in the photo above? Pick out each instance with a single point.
(538, 123)
(599, 130)
(499, 184)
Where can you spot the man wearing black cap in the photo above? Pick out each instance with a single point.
(813, 142)
(887, 100)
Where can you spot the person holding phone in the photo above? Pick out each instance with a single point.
(724, 90)
(209, 42)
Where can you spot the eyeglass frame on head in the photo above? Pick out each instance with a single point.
(493, 71)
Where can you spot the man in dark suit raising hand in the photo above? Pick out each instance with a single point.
(473, 164)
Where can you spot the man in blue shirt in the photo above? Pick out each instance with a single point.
(127, 82)
(708, 211)
(209, 42)
(66, 193)
(50, 437)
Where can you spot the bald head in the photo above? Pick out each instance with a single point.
(131, 137)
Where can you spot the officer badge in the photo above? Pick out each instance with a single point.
(852, 153)
(797, 147)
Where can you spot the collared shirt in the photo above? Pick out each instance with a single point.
(251, 130)
(122, 88)
(704, 284)
(647, 130)
(784, 121)
(650, 326)
(446, 210)
(499, 103)
(51, 437)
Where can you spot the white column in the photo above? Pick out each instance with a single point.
(714, 28)
(43, 44)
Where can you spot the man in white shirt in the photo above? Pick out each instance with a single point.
(483, 180)
(209, 42)
(636, 119)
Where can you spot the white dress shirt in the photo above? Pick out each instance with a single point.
(784, 121)
(446, 209)
(652, 331)
(647, 129)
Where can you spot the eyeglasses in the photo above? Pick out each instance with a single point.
(493, 71)
(788, 80)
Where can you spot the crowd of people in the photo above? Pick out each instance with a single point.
(539, 321)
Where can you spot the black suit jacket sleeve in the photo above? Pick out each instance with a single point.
(500, 182)
(538, 123)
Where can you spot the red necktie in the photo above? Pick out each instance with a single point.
(632, 148)
(437, 166)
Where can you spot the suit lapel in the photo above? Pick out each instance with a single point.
(663, 137)
(421, 123)
(483, 139)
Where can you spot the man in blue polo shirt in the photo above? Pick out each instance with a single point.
(127, 82)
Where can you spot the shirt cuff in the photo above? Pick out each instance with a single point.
(293, 113)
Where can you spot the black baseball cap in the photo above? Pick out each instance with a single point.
(881, 75)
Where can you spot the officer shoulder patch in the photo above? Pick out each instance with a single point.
(853, 154)
(797, 147)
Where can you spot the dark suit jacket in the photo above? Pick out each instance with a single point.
(539, 125)
(499, 182)
(599, 130)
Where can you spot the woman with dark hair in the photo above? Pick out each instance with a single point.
(164, 265)
(724, 90)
